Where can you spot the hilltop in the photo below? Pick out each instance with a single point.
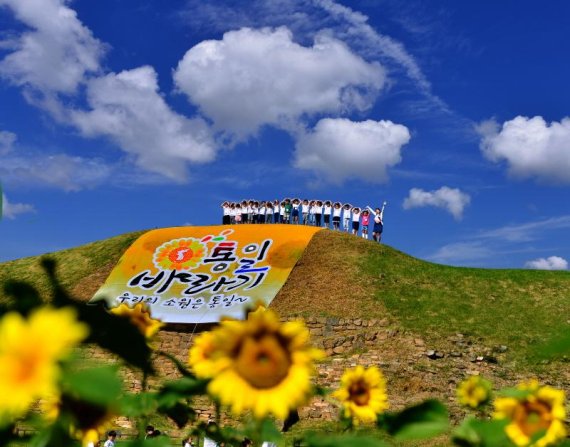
(342, 276)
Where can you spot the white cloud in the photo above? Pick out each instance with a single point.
(255, 77)
(55, 55)
(527, 231)
(460, 252)
(530, 146)
(11, 210)
(128, 108)
(306, 19)
(452, 200)
(339, 148)
(56, 170)
(550, 263)
(7, 140)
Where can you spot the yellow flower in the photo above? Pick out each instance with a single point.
(474, 391)
(541, 410)
(179, 254)
(29, 353)
(89, 423)
(362, 393)
(259, 364)
(91, 437)
(206, 358)
(140, 317)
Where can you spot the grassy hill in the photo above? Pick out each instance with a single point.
(343, 276)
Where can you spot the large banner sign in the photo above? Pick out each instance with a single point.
(200, 274)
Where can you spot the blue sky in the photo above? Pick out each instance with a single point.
(124, 115)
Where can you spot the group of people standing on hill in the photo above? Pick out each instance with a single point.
(307, 212)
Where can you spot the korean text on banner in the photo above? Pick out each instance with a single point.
(200, 274)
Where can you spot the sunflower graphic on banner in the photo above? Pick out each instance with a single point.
(201, 274)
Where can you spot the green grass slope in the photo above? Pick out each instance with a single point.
(343, 276)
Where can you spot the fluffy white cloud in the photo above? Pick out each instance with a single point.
(550, 263)
(452, 200)
(128, 108)
(54, 58)
(261, 76)
(56, 53)
(339, 148)
(11, 210)
(530, 146)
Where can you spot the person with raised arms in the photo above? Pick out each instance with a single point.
(305, 211)
(295, 204)
(318, 212)
(355, 220)
(346, 216)
(378, 222)
(337, 210)
(327, 210)
(276, 211)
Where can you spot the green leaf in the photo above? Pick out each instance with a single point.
(476, 433)
(269, 431)
(421, 421)
(466, 434)
(317, 440)
(514, 392)
(185, 387)
(100, 386)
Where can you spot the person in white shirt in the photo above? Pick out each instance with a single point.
(305, 211)
(346, 216)
(249, 212)
(243, 212)
(327, 210)
(255, 212)
(283, 215)
(111, 436)
(296, 203)
(268, 212)
(276, 212)
(318, 212)
(378, 223)
(355, 220)
(337, 210)
(312, 206)
(261, 213)
(211, 426)
(226, 213)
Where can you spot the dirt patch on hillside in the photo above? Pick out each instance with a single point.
(327, 280)
(88, 285)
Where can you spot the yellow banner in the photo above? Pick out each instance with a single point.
(200, 274)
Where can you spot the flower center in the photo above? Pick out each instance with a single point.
(263, 362)
(359, 393)
(532, 417)
(26, 367)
